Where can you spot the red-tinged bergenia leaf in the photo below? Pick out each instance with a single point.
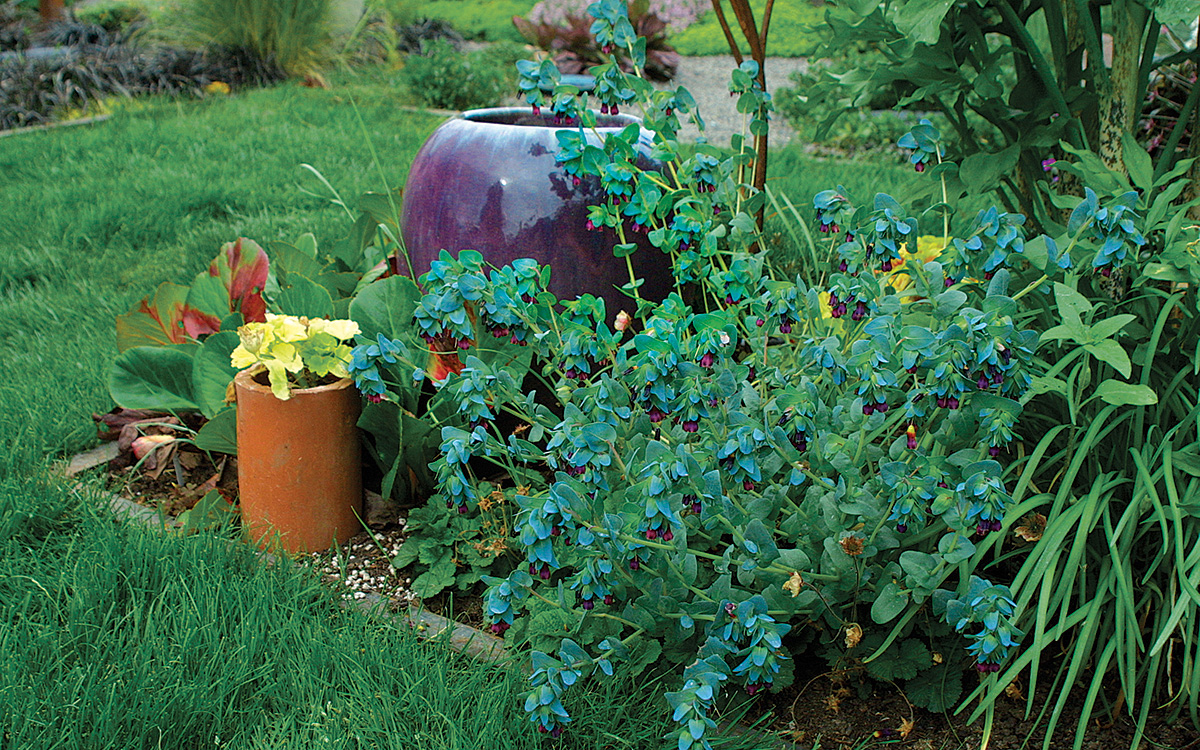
(442, 366)
(156, 321)
(164, 319)
(197, 323)
(242, 267)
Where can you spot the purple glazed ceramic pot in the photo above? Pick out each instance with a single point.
(487, 180)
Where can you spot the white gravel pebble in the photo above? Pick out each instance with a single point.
(707, 78)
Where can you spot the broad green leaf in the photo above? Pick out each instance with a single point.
(1164, 271)
(1071, 304)
(922, 19)
(936, 689)
(1126, 394)
(1137, 163)
(382, 208)
(901, 661)
(208, 295)
(763, 540)
(948, 301)
(982, 171)
(439, 576)
(386, 306)
(307, 244)
(1175, 12)
(955, 548)
(219, 434)
(212, 373)
(1076, 333)
(287, 259)
(1112, 354)
(1037, 253)
(1187, 460)
(796, 559)
(862, 8)
(889, 604)
(1041, 385)
(409, 551)
(154, 377)
(920, 566)
(1107, 327)
(304, 297)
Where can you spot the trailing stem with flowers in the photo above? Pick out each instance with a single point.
(727, 476)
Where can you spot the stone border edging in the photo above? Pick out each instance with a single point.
(53, 125)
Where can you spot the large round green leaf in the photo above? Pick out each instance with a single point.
(305, 297)
(386, 306)
(154, 377)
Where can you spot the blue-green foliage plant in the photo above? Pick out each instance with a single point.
(755, 456)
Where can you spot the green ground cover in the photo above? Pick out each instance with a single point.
(116, 637)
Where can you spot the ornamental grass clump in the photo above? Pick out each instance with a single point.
(293, 35)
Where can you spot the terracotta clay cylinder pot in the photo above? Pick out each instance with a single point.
(299, 464)
(487, 180)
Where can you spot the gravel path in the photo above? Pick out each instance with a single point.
(707, 78)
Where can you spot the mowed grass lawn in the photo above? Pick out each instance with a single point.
(112, 636)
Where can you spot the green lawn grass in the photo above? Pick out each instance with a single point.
(484, 20)
(791, 33)
(118, 637)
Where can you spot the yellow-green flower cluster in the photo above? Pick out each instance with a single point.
(290, 348)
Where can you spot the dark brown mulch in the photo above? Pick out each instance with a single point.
(830, 707)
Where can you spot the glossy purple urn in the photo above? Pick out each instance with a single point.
(487, 180)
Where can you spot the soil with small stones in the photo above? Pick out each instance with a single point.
(833, 708)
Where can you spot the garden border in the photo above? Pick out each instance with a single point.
(52, 125)
(463, 639)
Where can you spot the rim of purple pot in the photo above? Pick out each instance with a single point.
(523, 117)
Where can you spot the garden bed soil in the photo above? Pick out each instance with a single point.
(819, 706)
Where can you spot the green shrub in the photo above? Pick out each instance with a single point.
(863, 129)
(791, 33)
(487, 20)
(293, 34)
(446, 78)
